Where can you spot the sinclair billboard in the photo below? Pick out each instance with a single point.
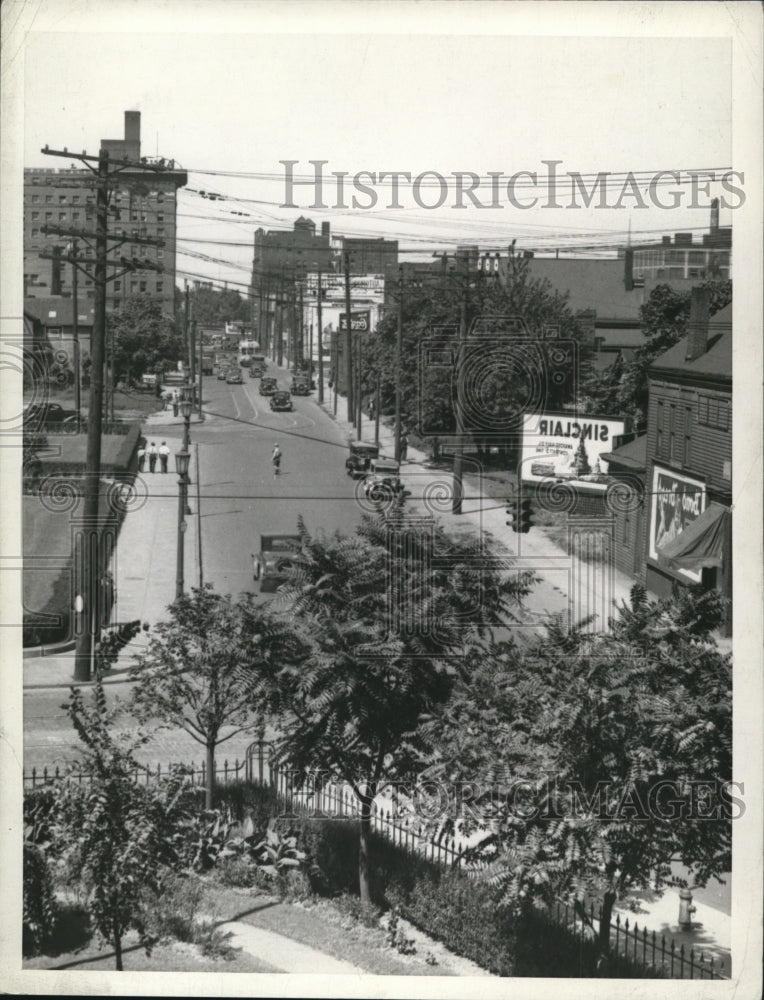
(562, 446)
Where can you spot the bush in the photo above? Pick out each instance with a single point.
(40, 909)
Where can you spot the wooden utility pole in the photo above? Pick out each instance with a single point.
(89, 552)
(348, 341)
(457, 496)
(359, 401)
(76, 338)
(199, 516)
(398, 362)
(302, 333)
(320, 334)
(201, 367)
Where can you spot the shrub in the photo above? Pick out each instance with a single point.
(40, 911)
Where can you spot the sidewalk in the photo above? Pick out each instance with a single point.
(145, 585)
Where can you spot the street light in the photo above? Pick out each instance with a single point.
(182, 460)
(186, 405)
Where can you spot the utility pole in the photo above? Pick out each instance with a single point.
(348, 341)
(398, 362)
(199, 515)
(359, 401)
(458, 487)
(201, 369)
(320, 342)
(377, 396)
(76, 338)
(301, 356)
(89, 553)
(280, 332)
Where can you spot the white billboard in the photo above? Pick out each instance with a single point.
(676, 500)
(560, 446)
(363, 287)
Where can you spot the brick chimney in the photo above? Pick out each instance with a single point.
(697, 340)
(628, 269)
(326, 229)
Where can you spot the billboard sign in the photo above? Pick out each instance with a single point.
(360, 322)
(563, 446)
(369, 287)
(676, 501)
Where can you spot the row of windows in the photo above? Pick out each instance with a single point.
(714, 412)
(143, 252)
(75, 199)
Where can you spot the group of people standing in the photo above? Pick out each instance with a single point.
(152, 453)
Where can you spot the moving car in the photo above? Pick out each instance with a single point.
(281, 400)
(361, 454)
(277, 562)
(38, 414)
(234, 378)
(255, 372)
(268, 386)
(383, 481)
(222, 374)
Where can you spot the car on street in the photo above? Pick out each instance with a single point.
(300, 385)
(281, 400)
(383, 481)
(358, 461)
(222, 374)
(277, 562)
(255, 372)
(268, 386)
(234, 378)
(37, 414)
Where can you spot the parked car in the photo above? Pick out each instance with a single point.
(222, 374)
(361, 454)
(383, 481)
(38, 414)
(255, 372)
(268, 386)
(234, 378)
(281, 400)
(277, 562)
(300, 385)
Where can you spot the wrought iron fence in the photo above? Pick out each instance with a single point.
(630, 947)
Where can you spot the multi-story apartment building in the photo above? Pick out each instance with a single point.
(141, 203)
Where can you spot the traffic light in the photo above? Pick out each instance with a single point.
(512, 513)
(525, 515)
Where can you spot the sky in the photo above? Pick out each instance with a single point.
(224, 89)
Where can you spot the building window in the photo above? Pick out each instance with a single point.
(55, 332)
(48, 216)
(75, 216)
(672, 433)
(35, 215)
(160, 231)
(117, 285)
(160, 253)
(160, 196)
(687, 457)
(116, 303)
(160, 286)
(48, 199)
(160, 216)
(659, 430)
(35, 232)
(713, 412)
(62, 199)
(133, 216)
(35, 199)
(90, 294)
(133, 287)
(62, 216)
(75, 199)
(143, 286)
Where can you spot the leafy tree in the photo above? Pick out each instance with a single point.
(117, 838)
(581, 460)
(498, 383)
(388, 616)
(144, 337)
(189, 674)
(610, 753)
(664, 319)
(216, 306)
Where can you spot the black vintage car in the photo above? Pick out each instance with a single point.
(300, 385)
(268, 386)
(281, 400)
(361, 454)
(277, 562)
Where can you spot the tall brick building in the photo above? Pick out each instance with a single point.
(144, 204)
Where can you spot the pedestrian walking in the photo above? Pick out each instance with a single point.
(371, 408)
(164, 454)
(141, 456)
(404, 447)
(276, 459)
(152, 453)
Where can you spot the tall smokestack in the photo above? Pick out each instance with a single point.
(133, 134)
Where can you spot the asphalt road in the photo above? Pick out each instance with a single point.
(241, 499)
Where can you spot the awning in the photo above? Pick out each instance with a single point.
(701, 544)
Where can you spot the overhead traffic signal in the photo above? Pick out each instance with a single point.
(525, 517)
(512, 513)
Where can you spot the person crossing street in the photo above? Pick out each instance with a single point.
(164, 454)
(276, 460)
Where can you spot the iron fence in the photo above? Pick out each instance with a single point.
(630, 947)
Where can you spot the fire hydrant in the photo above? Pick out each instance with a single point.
(686, 909)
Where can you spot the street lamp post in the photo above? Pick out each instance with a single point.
(186, 405)
(182, 459)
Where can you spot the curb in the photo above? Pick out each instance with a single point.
(33, 652)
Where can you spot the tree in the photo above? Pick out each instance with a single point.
(664, 319)
(581, 460)
(216, 306)
(116, 837)
(497, 378)
(189, 674)
(619, 751)
(144, 337)
(388, 616)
